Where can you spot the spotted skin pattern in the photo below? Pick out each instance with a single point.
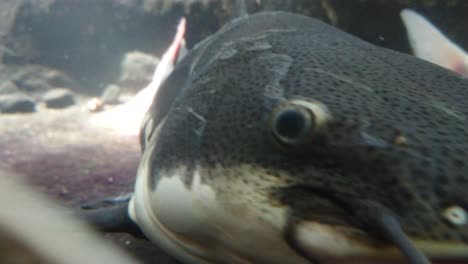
(397, 132)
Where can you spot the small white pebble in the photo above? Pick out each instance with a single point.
(95, 105)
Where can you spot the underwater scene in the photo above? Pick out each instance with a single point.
(234, 131)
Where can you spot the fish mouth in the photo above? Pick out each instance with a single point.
(323, 243)
(362, 232)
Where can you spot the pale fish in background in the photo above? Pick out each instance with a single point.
(126, 119)
(428, 43)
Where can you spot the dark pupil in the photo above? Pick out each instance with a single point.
(290, 124)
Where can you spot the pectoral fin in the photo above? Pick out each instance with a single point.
(110, 216)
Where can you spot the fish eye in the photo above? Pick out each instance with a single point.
(456, 215)
(291, 125)
(295, 122)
